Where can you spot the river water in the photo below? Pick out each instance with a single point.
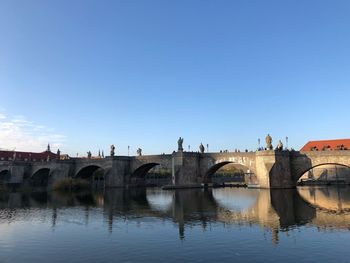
(308, 224)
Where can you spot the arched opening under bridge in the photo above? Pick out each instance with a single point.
(325, 174)
(150, 174)
(93, 175)
(4, 177)
(40, 178)
(227, 172)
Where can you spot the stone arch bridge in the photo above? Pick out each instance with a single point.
(267, 169)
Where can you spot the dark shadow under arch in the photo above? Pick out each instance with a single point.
(213, 169)
(142, 171)
(312, 167)
(40, 178)
(138, 177)
(93, 175)
(4, 176)
(87, 171)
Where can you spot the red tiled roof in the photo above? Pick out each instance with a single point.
(31, 156)
(340, 144)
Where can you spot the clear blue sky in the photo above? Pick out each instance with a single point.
(86, 74)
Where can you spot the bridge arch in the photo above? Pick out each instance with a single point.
(142, 171)
(87, 171)
(138, 177)
(40, 178)
(305, 170)
(214, 168)
(4, 176)
(93, 173)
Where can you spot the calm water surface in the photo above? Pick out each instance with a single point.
(151, 225)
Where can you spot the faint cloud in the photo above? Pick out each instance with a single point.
(24, 135)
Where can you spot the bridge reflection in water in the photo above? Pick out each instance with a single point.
(272, 210)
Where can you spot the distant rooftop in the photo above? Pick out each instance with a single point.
(8, 155)
(327, 145)
(27, 156)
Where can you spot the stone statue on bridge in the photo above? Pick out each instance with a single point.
(268, 141)
(112, 150)
(139, 152)
(201, 148)
(179, 144)
(89, 154)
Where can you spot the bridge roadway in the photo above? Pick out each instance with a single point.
(266, 169)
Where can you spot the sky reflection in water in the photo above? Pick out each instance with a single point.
(151, 225)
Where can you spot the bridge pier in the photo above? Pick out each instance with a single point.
(185, 169)
(273, 169)
(17, 173)
(117, 172)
